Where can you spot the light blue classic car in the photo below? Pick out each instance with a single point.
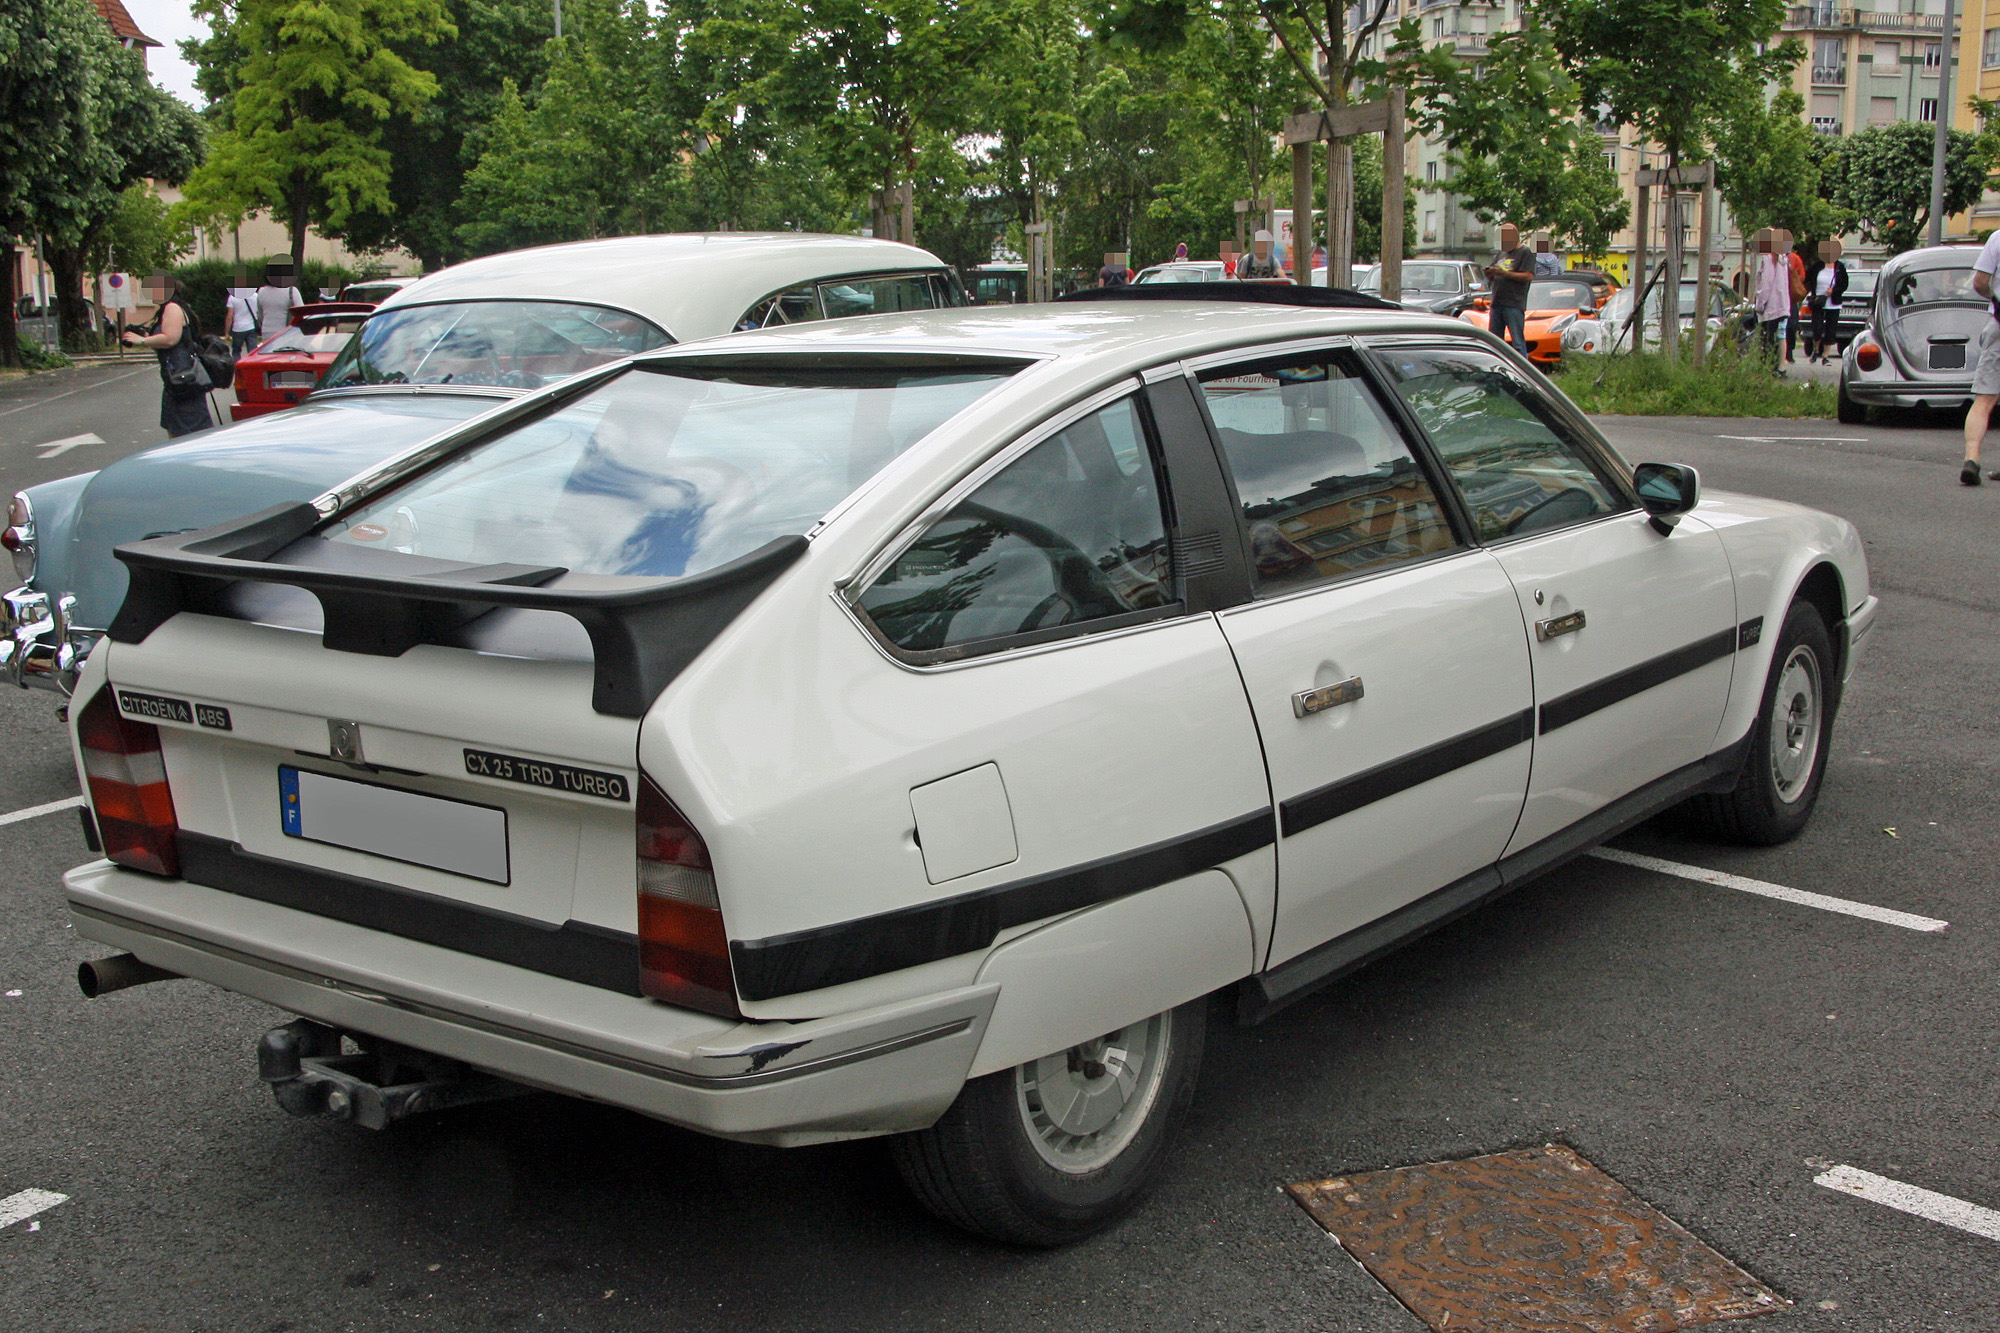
(466, 340)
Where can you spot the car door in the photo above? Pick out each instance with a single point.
(1382, 653)
(1631, 624)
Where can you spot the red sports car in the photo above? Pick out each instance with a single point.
(283, 368)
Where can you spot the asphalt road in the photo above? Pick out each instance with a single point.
(1711, 1049)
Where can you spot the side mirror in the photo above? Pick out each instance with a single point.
(1667, 490)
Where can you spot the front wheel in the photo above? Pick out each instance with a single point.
(1774, 797)
(1055, 1149)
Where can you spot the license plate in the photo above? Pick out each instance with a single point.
(1947, 356)
(289, 379)
(454, 836)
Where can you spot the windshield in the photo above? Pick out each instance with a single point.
(664, 472)
(1862, 283)
(324, 339)
(1181, 273)
(1560, 294)
(516, 344)
(1418, 278)
(1923, 285)
(1619, 307)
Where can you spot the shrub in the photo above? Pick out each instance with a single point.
(34, 356)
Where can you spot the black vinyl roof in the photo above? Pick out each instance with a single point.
(1257, 293)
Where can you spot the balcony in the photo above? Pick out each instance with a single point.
(1826, 125)
(1467, 43)
(1860, 20)
(1823, 75)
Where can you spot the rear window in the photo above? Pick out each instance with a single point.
(668, 471)
(1924, 285)
(513, 344)
(322, 338)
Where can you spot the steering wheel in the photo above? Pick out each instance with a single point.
(1520, 520)
(1080, 584)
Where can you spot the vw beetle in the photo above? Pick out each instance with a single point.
(1921, 341)
(906, 725)
(437, 351)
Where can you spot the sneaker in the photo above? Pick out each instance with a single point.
(1969, 474)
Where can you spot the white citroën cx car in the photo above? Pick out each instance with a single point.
(904, 725)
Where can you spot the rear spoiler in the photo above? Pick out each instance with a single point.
(641, 635)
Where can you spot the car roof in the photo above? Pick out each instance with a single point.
(693, 285)
(1932, 256)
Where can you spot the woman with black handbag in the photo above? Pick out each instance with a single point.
(184, 382)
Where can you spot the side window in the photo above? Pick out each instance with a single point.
(797, 306)
(1329, 486)
(881, 296)
(1519, 467)
(1070, 532)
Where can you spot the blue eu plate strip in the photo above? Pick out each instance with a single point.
(288, 801)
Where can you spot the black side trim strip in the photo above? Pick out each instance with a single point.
(1302, 812)
(1577, 704)
(573, 951)
(808, 960)
(1265, 993)
(1749, 632)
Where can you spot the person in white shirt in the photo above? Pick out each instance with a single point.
(1986, 379)
(275, 302)
(241, 306)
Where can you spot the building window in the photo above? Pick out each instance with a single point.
(1882, 111)
(1611, 163)
(1437, 25)
(1430, 224)
(1989, 49)
(1888, 58)
(1431, 172)
(1927, 110)
(1933, 55)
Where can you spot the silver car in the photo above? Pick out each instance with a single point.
(1920, 341)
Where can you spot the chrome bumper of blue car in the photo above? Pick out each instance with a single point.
(39, 647)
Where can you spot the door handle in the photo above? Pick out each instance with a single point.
(1549, 629)
(1307, 702)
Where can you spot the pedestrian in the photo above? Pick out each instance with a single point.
(1773, 295)
(1796, 264)
(1826, 283)
(1510, 273)
(1262, 263)
(276, 300)
(174, 330)
(1548, 264)
(1986, 379)
(1114, 273)
(241, 305)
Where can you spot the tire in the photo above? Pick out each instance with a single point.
(1850, 412)
(999, 1165)
(1774, 796)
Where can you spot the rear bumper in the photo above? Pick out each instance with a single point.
(1910, 393)
(878, 1071)
(39, 647)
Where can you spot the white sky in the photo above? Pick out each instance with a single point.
(169, 21)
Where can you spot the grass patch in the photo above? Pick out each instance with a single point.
(1652, 385)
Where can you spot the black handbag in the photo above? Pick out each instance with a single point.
(180, 369)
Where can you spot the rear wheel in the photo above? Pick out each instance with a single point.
(1055, 1149)
(1850, 412)
(1774, 797)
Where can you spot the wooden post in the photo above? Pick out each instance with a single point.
(1639, 270)
(1673, 251)
(1339, 213)
(1242, 210)
(1302, 214)
(1705, 253)
(907, 233)
(1392, 200)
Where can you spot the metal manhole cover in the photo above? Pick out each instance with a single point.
(1535, 1241)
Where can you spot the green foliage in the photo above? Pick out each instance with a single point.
(1768, 165)
(1882, 177)
(1518, 150)
(1732, 384)
(34, 356)
(304, 109)
(142, 235)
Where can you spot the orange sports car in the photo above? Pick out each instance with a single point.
(1553, 305)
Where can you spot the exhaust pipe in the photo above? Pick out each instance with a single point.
(104, 975)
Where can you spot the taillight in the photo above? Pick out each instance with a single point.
(683, 948)
(1868, 356)
(128, 787)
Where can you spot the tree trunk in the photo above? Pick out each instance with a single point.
(10, 334)
(296, 226)
(75, 331)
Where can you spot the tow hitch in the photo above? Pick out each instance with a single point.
(377, 1085)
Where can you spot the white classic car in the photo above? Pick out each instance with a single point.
(904, 726)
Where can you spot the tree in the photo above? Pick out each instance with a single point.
(1674, 70)
(1767, 162)
(1882, 176)
(304, 109)
(1517, 147)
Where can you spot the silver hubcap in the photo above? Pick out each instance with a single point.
(1083, 1105)
(1795, 724)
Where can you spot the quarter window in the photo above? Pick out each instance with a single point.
(1070, 533)
(1518, 466)
(1328, 486)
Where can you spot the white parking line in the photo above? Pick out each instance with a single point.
(1888, 916)
(66, 394)
(20, 1207)
(36, 811)
(1918, 1202)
